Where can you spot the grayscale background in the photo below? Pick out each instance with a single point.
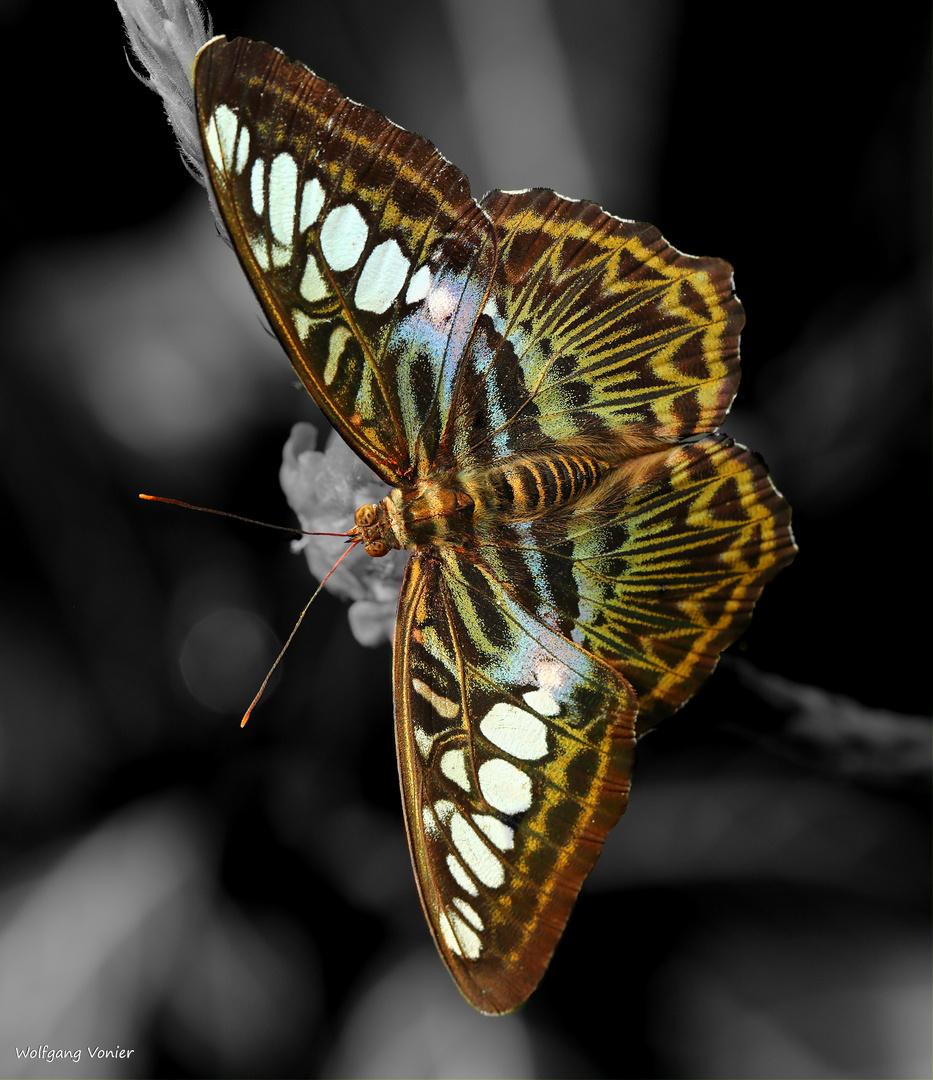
(234, 903)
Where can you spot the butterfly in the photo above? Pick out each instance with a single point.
(540, 384)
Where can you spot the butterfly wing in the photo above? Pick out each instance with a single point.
(660, 571)
(597, 331)
(515, 749)
(364, 246)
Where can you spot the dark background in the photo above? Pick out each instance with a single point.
(228, 902)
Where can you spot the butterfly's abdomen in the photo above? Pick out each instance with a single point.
(533, 486)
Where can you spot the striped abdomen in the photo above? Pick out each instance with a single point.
(530, 487)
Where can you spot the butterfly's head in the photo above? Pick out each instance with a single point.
(373, 529)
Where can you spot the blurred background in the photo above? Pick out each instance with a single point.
(226, 903)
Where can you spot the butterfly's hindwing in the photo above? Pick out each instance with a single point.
(660, 571)
(515, 749)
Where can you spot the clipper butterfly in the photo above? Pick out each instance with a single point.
(540, 384)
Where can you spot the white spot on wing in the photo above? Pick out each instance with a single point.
(542, 701)
(554, 681)
(491, 309)
(260, 251)
(339, 337)
(343, 237)
(466, 936)
(382, 278)
(418, 286)
(447, 934)
(459, 874)
(423, 740)
(257, 186)
(431, 826)
(504, 787)
(221, 136)
(485, 866)
(313, 287)
(468, 913)
(212, 139)
(552, 675)
(312, 199)
(502, 835)
(442, 303)
(242, 148)
(302, 323)
(283, 193)
(453, 766)
(515, 731)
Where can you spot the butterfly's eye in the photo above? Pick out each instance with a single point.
(366, 516)
(376, 549)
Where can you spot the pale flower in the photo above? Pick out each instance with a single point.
(325, 489)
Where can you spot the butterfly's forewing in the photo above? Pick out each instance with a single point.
(364, 245)
(515, 753)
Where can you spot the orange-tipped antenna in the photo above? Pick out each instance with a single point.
(304, 610)
(237, 517)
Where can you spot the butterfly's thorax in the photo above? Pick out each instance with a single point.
(433, 511)
(453, 507)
